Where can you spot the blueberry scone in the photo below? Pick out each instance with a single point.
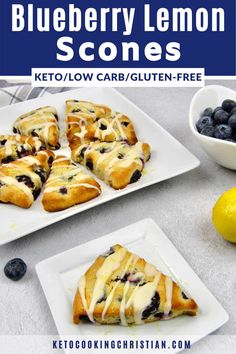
(116, 163)
(68, 185)
(21, 181)
(13, 147)
(121, 288)
(81, 114)
(87, 122)
(42, 123)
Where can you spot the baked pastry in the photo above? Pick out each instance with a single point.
(13, 147)
(120, 287)
(21, 180)
(42, 123)
(80, 114)
(87, 122)
(117, 163)
(68, 185)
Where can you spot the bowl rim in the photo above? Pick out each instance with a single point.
(192, 123)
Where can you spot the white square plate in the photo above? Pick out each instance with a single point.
(59, 276)
(169, 158)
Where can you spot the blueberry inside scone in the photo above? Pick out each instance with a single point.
(21, 181)
(68, 185)
(118, 163)
(122, 288)
(41, 123)
(13, 147)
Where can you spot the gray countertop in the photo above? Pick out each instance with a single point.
(181, 207)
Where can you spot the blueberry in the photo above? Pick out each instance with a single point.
(184, 296)
(232, 121)
(15, 269)
(89, 164)
(233, 111)
(82, 152)
(102, 150)
(221, 116)
(223, 131)
(63, 190)
(42, 174)
(36, 193)
(103, 126)
(3, 142)
(135, 177)
(228, 105)
(33, 133)
(207, 112)
(50, 161)
(26, 180)
(153, 307)
(120, 156)
(208, 131)
(8, 159)
(204, 122)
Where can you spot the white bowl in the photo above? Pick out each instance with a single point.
(221, 151)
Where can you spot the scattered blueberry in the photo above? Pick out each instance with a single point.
(223, 131)
(221, 116)
(228, 105)
(15, 269)
(204, 122)
(207, 112)
(232, 121)
(208, 131)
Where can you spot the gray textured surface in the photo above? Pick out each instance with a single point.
(181, 206)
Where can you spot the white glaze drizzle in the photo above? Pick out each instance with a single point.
(131, 261)
(169, 289)
(110, 264)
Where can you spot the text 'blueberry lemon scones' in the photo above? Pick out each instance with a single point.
(21, 181)
(42, 123)
(87, 122)
(13, 147)
(68, 185)
(117, 163)
(122, 288)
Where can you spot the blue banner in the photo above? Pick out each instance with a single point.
(117, 34)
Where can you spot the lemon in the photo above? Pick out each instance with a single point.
(224, 215)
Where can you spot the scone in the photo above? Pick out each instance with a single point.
(80, 114)
(117, 163)
(122, 288)
(21, 180)
(87, 122)
(13, 147)
(68, 185)
(42, 123)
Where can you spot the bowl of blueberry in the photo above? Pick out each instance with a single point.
(212, 119)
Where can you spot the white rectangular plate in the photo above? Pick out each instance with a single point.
(169, 158)
(59, 277)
